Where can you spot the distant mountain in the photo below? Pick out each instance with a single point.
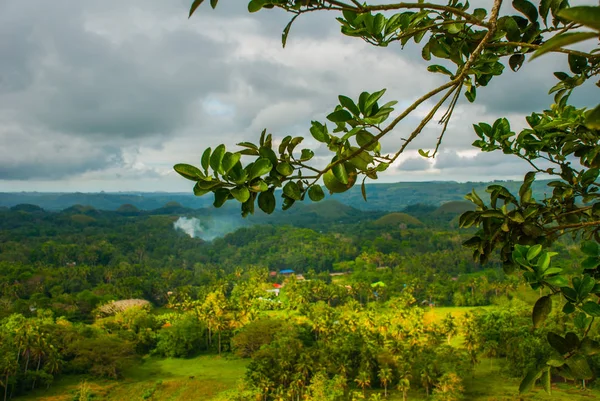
(398, 219)
(381, 197)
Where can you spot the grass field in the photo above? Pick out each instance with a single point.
(200, 378)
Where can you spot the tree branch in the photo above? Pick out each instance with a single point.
(575, 225)
(535, 47)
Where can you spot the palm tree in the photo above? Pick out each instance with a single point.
(363, 380)
(426, 379)
(8, 367)
(53, 363)
(385, 376)
(404, 383)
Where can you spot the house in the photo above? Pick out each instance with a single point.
(273, 274)
(286, 272)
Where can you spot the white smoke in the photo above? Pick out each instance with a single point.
(208, 229)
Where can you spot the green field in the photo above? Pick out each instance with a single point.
(200, 378)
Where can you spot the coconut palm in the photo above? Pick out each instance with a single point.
(363, 380)
(404, 383)
(385, 377)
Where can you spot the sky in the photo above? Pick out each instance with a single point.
(108, 96)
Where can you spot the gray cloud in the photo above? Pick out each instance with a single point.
(482, 162)
(414, 164)
(109, 95)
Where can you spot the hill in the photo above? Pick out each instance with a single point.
(391, 197)
(398, 220)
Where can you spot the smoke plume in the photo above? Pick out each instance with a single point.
(206, 229)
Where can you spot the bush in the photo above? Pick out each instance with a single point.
(182, 338)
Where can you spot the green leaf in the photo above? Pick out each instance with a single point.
(205, 160)
(527, 9)
(572, 340)
(591, 308)
(221, 196)
(287, 203)
(195, 5)
(362, 100)
(569, 293)
(360, 161)
(268, 153)
(260, 167)
(589, 347)
(306, 155)
(439, 69)
(319, 132)
(541, 310)
(285, 169)
(529, 381)
(339, 116)
(579, 367)
(363, 138)
(266, 202)
(562, 40)
(533, 252)
(216, 158)
(556, 281)
(292, 190)
(199, 191)
(544, 9)
(371, 100)
(585, 15)
(592, 118)
(248, 206)
(555, 363)
(286, 30)
(248, 145)
(546, 380)
(339, 171)
(587, 284)
(230, 160)
(255, 5)
(471, 94)
(213, 3)
(259, 186)
(426, 52)
(284, 143)
(590, 248)
(241, 194)
(516, 61)
(315, 193)
(480, 13)
(543, 262)
(568, 308)
(590, 263)
(363, 190)
(577, 63)
(188, 171)
(349, 104)
(558, 343)
(378, 24)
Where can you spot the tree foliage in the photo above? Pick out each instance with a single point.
(561, 142)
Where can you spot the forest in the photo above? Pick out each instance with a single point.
(341, 306)
(417, 295)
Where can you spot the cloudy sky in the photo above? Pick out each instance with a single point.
(109, 95)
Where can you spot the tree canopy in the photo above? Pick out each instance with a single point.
(473, 46)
